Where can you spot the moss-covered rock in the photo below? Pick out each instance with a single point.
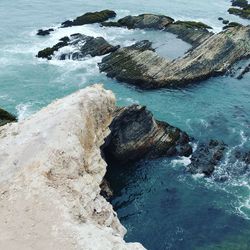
(193, 24)
(244, 13)
(232, 24)
(90, 17)
(6, 117)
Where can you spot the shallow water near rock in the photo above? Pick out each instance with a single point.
(162, 206)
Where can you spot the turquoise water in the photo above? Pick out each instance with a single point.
(162, 206)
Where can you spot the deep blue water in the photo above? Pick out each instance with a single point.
(161, 206)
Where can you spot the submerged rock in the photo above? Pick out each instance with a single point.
(6, 117)
(82, 46)
(189, 31)
(146, 69)
(42, 32)
(135, 134)
(206, 157)
(89, 18)
(51, 170)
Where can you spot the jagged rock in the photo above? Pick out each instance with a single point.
(84, 46)
(42, 32)
(240, 3)
(206, 157)
(89, 18)
(243, 72)
(6, 117)
(51, 170)
(146, 69)
(232, 24)
(189, 31)
(135, 134)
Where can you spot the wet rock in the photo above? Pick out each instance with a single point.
(206, 157)
(42, 32)
(89, 18)
(83, 46)
(146, 69)
(135, 134)
(106, 190)
(243, 72)
(240, 3)
(220, 18)
(243, 13)
(232, 24)
(243, 157)
(189, 31)
(225, 22)
(6, 117)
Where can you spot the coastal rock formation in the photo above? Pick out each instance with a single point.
(189, 31)
(206, 157)
(6, 117)
(242, 8)
(135, 134)
(51, 170)
(89, 18)
(42, 32)
(146, 69)
(81, 46)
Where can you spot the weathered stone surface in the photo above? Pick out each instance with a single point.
(89, 18)
(50, 175)
(42, 32)
(189, 31)
(206, 157)
(6, 117)
(144, 68)
(135, 134)
(83, 46)
(242, 10)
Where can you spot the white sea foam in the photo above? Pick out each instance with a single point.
(24, 110)
(185, 161)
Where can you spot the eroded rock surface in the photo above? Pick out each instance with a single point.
(80, 46)
(6, 117)
(146, 69)
(50, 174)
(189, 31)
(135, 134)
(206, 157)
(89, 18)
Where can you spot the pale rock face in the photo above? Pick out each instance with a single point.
(50, 172)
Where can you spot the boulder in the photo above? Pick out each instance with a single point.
(206, 157)
(6, 117)
(89, 18)
(42, 32)
(146, 69)
(83, 46)
(135, 135)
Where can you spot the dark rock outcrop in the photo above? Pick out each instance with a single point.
(146, 69)
(243, 157)
(42, 32)
(189, 31)
(206, 157)
(231, 25)
(89, 18)
(84, 46)
(135, 134)
(6, 117)
(242, 10)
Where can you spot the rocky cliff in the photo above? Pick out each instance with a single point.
(50, 175)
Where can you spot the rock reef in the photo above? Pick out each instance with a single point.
(51, 170)
(146, 69)
(6, 117)
(189, 31)
(206, 157)
(89, 18)
(81, 46)
(135, 135)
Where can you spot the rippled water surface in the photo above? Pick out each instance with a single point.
(162, 206)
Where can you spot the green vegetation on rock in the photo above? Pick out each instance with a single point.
(193, 24)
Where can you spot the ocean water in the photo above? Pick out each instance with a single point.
(161, 205)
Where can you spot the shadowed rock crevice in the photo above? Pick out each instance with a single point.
(136, 135)
(6, 117)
